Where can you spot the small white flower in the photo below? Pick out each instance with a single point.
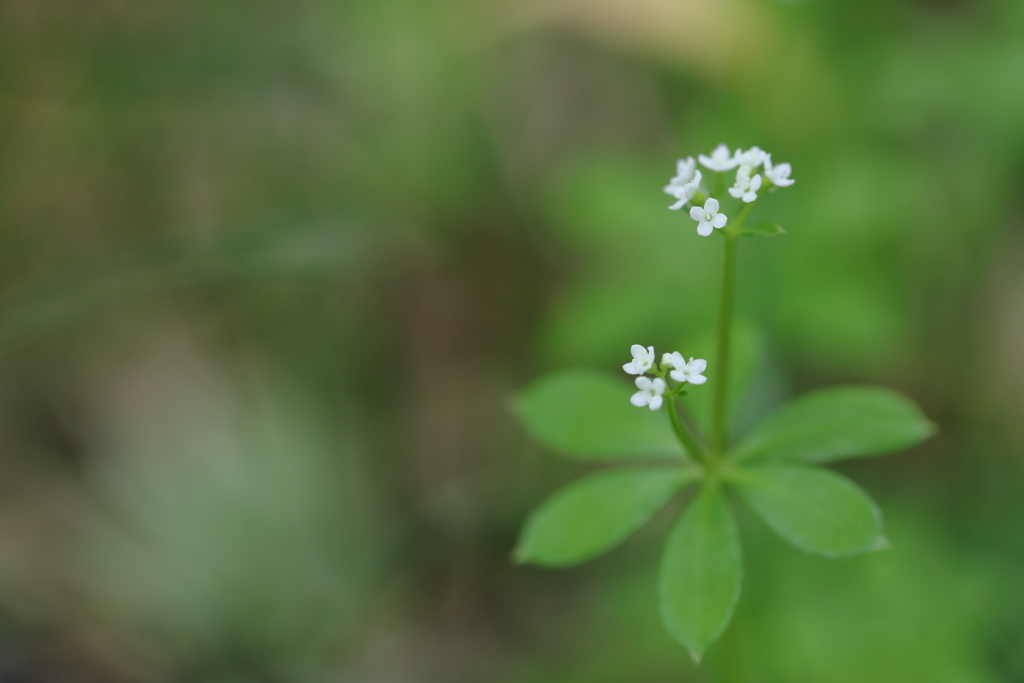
(685, 170)
(720, 159)
(753, 157)
(708, 218)
(779, 175)
(683, 192)
(643, 359)
(689, 372)
(674, 359)
(746, 187)
(650, 392)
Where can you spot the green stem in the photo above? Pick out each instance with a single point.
(682, 433)
(719, 405)
(719, 397)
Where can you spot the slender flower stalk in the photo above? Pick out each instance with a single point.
(719, 405)
(719, 396)
(653, 393)
(683, 434)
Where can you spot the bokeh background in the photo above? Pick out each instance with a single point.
(271, 274)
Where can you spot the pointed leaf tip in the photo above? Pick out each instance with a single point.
(815, 509)
(837, 423)
(762, 230)
(882, 544)
(701, 572)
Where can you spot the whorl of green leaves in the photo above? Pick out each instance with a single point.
(774, 470)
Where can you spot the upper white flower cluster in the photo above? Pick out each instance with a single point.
(650, 391)
(686, 185)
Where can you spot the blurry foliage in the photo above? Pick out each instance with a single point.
(231, 532)
(408, 209)
(878, 617)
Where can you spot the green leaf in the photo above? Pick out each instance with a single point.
(593, 515)
(815, 509)
(761, 230)
(833, 424)
(588, 415)
(701, 572)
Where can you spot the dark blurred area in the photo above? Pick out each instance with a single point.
(271, 273)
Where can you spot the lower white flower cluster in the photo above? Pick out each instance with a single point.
(686, 185)
(651, 391)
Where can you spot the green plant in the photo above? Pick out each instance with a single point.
(774, 469)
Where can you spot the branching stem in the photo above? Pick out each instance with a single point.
(683, 434)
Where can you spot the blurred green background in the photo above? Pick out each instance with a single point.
(272, 272)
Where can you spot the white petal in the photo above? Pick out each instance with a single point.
(704, 229)
(697, 365)
(696, 213)
(711, 205)
(631, 369)
(698, 379)
(637, 351)
(659, 385)
(649, 355)
(639, 399)
(720, 159)
(685, 168)
(780, 175)
(680, 204)
(767, 163)
(643, 383)
(678, 360)
(656, 402)
(736, 192)
(678, 375)
(755, 183)
(666, 360)
(719, 220)
(749, 197)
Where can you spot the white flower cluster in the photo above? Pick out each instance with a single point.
(650, 391)
(686, 185)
